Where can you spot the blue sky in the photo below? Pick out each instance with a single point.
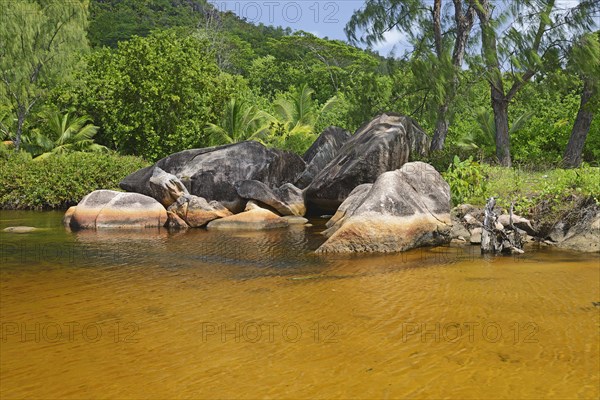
(323, 18)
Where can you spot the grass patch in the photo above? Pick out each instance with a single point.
(541, 195)
(544, 196)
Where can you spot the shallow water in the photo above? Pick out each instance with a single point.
(148, 314)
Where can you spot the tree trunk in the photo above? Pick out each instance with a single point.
(489, 50)
(20, 121)
(500, 107)
(573, 153)
(463, 26)
(441, 129)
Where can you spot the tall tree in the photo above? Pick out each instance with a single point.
(585, 60)
(439, 41)
(154, 95)
(535, 29)
(37, 39)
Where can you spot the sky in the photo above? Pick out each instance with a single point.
(323, 18)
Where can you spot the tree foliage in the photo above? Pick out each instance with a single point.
(38, 40)
(167, 75)
(513, 56)
(153, 96)
(62, 133)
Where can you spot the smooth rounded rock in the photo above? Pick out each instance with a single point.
(254, 218)
(21, 229)
(111, 209)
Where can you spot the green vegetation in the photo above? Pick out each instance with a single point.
(467, 180)
(62, 134)
(157, 77)
(61, 181)
(542, 195)
(153, 96)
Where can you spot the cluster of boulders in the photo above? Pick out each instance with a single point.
(583, 234)
(467, 224)
(382, 201)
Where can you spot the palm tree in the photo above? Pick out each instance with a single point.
(290, 126)
(240, 122)
(65, 134)
(292, 123)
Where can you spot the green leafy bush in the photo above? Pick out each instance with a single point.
(467, 180)
(60, 182)
(153, 96)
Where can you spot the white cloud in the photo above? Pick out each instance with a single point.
(394, 41)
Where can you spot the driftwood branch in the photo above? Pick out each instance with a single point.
(494, 240)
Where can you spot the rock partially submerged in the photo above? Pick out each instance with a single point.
(348, 207)
(195, 211)
(21, 229)
(110, 209)
(579, 230)
(286, 200)
(212, 172)
(403, 209)
(253, 218)
(384, 144)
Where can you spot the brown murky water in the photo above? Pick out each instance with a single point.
(253, 315)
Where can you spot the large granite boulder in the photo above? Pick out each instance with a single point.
(321, 152)
(579, 230)
(384, 144)
(403, 209)
(253, 218)
(352, 202)
(165, 187)
(110, 209)
(286, 200)
(195, 211)
(212, 172)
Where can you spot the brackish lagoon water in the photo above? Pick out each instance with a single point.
(198, 314)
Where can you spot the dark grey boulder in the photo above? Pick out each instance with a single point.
(384, 144)
(321, 152)
(286, 200)
(212, 172)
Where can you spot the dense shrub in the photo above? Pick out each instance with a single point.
(467, 180)
(60, 182)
